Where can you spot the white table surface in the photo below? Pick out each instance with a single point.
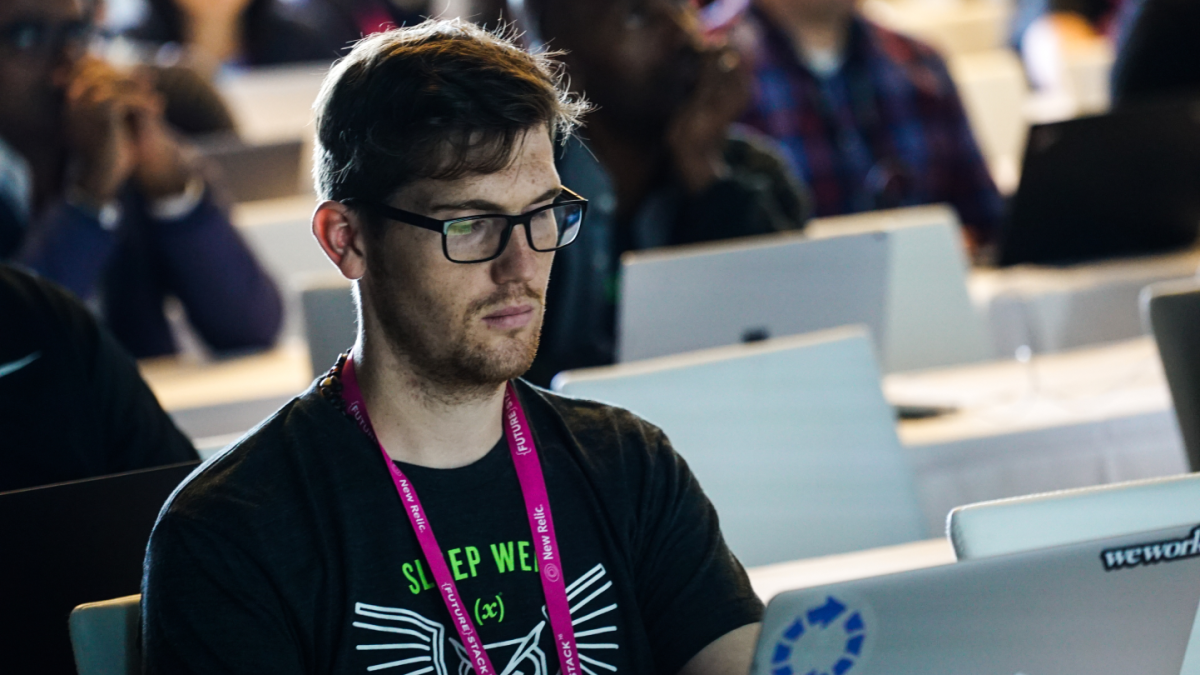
(1085, 417)
(770, 580)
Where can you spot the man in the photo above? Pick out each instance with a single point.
(310, 547)
(100, 196)
(74, 405)
(869, 118)
(1159, 58)
(661, 163)
(1050, 34)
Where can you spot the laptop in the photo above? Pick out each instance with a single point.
(1120, 184)
(686, 298)
(1106, 607)
(1173, 309)
(253, 171)
(67, 544)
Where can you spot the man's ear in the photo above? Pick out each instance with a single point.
(339, 232)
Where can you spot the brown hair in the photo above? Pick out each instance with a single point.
(439, 100)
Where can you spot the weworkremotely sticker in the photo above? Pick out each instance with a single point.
(1151, 553)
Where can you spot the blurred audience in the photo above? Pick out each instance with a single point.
(341, 22)
(218, 33)
(660, 161)
(869, 118)
(74, 404)
(99, 195)
(1050, 33)
(1161, 53)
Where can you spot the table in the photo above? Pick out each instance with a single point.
(215, 402)
(1079, 418)
(770, 580)
(1086, 417)
(1051, 309)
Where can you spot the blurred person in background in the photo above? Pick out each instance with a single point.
(341, 22)
(1160, 55)
(1050, 33)
(869, 118)
(100, 195)
(213, 34)
(73, 403)
(661, 162)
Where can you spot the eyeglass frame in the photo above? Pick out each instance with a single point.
(440, 226)
(60, 36)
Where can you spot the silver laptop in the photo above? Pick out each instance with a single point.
(686, 298)
(1114, 606)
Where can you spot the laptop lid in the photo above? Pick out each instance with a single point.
(67, 544)
(255, 171)
(1119, 184)
(1113, 606)
(686, 298)
(1174, 315)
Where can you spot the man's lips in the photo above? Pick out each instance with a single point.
(508, 318)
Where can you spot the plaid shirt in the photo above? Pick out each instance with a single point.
(886, 129)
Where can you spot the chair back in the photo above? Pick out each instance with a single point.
(1172, 309)
(1073, 516)
(104, 637)
(790, 438)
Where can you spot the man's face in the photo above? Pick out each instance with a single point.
(464, 324)
(40, 41)
(638, 59)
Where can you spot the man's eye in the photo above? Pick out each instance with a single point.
(461, 229)
(25, 36)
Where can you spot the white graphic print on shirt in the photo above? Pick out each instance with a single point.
(427, 646)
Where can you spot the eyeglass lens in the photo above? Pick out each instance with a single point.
(482, 238)
(30, 37)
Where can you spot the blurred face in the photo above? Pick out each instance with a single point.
(464, 324)
(40, 42)
(638, 59)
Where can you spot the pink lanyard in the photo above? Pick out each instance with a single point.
(537, 506)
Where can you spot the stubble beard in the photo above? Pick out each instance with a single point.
(440, 350)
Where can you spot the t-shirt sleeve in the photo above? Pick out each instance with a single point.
(691, 587)
(209, 607)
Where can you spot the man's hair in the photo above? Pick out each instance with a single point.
(440, 100)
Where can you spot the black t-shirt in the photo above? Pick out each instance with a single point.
(72, 404)
(290, 553)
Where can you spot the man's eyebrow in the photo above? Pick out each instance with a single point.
(491, 207)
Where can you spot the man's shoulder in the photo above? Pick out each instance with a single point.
(276, 464)
(44, 316)
(587, 415)
(924, 66)
(597, 430)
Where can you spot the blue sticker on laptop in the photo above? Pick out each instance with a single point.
(827, 638)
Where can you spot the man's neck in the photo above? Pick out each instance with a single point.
(810, 31)
(422, 422)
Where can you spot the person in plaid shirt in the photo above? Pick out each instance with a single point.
(868, 118)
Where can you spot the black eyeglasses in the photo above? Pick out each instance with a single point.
(476, 239)
(27, 38)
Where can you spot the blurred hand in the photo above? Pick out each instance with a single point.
(696, 135)
(98, 106)
(116, 131)
(164, 164)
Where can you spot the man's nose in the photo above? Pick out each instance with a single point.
(518, 262)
